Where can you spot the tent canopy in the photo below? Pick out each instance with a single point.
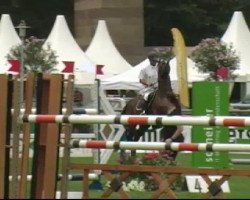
(62, 41)
(103, 52)
(8, 39)
(238, 35)
(129, 80)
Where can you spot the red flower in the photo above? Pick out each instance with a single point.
(151, 156)
(167, 154)
(223, 73)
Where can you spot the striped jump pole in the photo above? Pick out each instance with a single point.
(71, 177)
(174, 146)
(89, 111)
(241, 121)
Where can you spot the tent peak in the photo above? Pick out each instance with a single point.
(63, 43)
(102, 49)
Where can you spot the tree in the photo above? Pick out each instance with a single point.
(35, 57)
(197, 19)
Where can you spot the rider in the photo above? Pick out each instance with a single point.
(149, 78)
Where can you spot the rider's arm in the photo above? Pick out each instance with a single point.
(142, 78)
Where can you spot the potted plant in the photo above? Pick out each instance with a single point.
(216, 58)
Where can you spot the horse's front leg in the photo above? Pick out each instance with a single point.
(140, 132)
(130, 132)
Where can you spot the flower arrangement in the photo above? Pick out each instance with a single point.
(216, 58)
(132, 185)
(144, 181)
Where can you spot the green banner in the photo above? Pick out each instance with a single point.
(210, 99)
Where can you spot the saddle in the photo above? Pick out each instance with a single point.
(149, 101)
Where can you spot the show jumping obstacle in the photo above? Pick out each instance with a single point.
(140, 120)
(48, 122)
(71, 177)
(45, 145)
(214, 189)
(5, 104)
(174, 146)
(64, 110)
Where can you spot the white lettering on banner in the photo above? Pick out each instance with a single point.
(217, 101)
(235, 134)
(209, 112)
(218, 133)
(209, 132)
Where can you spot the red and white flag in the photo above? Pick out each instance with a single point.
(69, 67)
(99, 69)
(15, 67)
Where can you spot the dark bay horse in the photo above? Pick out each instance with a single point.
(160, 102)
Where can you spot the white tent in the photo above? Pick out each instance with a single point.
(103, 52)
(125, 81)
(238, 35)
(129, 79)
(62, 41)
(193, 75)
(8, 39)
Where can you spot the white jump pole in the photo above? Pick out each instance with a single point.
(241, 121)
(174, 146)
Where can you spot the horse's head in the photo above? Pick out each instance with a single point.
(164, 82)
(163, 69)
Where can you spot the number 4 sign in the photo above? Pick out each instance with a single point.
(196, 184)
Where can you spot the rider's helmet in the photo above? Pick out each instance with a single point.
(153, 57)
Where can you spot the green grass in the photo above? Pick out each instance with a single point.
(239, 186)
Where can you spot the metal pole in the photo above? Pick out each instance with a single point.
(22, 33)
(21, 76)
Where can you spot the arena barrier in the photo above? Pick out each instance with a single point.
(140, 120)
(174, 146)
